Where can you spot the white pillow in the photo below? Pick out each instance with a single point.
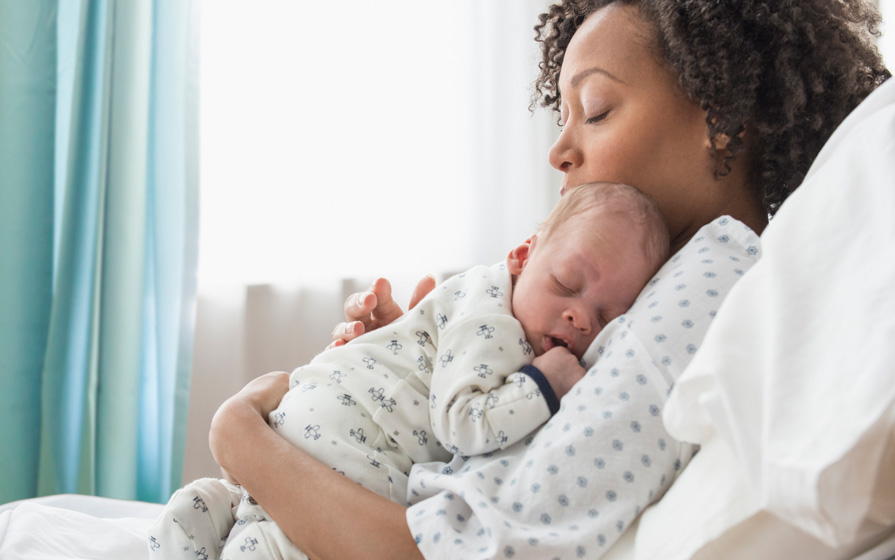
(792, 394)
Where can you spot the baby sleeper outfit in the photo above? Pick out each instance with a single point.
(452, 376)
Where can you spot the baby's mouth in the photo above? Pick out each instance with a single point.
(552, 342)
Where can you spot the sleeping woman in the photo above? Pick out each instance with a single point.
(713, 109)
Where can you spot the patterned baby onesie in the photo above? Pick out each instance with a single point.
(453, 375)
(571, 489)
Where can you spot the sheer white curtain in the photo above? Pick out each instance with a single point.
(345, 142)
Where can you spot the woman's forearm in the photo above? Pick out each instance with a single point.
(324, 513)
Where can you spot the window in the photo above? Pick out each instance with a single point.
(334, 138)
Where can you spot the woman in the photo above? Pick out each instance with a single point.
(711, 109)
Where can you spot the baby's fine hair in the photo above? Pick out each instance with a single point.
(619, 200)
(786, 73)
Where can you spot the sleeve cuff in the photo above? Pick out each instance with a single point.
(544, 386)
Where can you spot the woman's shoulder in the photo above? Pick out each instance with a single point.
(699, 275)
(717, 256)
(672, 314)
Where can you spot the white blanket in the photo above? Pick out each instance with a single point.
(72, 526)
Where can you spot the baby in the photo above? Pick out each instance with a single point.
(478, 365)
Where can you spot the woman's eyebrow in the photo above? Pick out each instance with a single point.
(595, 70)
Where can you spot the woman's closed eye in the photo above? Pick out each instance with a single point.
(597, 118)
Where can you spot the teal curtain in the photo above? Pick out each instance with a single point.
(98, 244)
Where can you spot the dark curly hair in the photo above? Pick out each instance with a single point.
(788, 70)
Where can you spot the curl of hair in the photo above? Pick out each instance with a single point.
(786, 72)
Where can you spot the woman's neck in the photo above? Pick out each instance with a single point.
(746, 208)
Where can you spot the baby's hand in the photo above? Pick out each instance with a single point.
(561, 368)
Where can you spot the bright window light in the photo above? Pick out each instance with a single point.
(333, 139)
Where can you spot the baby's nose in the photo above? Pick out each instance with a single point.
(579, 320)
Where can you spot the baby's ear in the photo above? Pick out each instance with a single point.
(519, 256)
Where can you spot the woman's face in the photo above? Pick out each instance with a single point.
(626, 120)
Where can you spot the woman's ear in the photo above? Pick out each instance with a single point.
(519, 256)
(722, 141)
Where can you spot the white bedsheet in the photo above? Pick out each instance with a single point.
(75, 527)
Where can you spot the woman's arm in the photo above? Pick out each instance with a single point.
(325, 514)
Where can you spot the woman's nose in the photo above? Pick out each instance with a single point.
(564, 155)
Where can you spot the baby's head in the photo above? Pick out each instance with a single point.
(586, 264)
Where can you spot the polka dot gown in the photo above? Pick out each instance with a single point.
(571, 489)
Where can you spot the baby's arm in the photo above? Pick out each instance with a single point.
(484, 394)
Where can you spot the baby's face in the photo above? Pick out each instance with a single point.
(583, 275)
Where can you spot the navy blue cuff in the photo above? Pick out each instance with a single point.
(544, 385)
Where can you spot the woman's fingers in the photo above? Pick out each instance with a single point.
(386, 310)
(345, 332)
(374, 308)
(371, 309)
(423, 287)
(359, 307)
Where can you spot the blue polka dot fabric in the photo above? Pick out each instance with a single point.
(571, 489)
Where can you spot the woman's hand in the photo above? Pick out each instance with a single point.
(367, 311)
(265, 392)
(258, 398)
(326, 514)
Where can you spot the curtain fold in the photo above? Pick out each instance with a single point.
(27, 122)
(111, 373)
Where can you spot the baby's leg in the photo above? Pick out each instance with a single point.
(320, 416)
(196, 521)
(255, 535)
(336, 425)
